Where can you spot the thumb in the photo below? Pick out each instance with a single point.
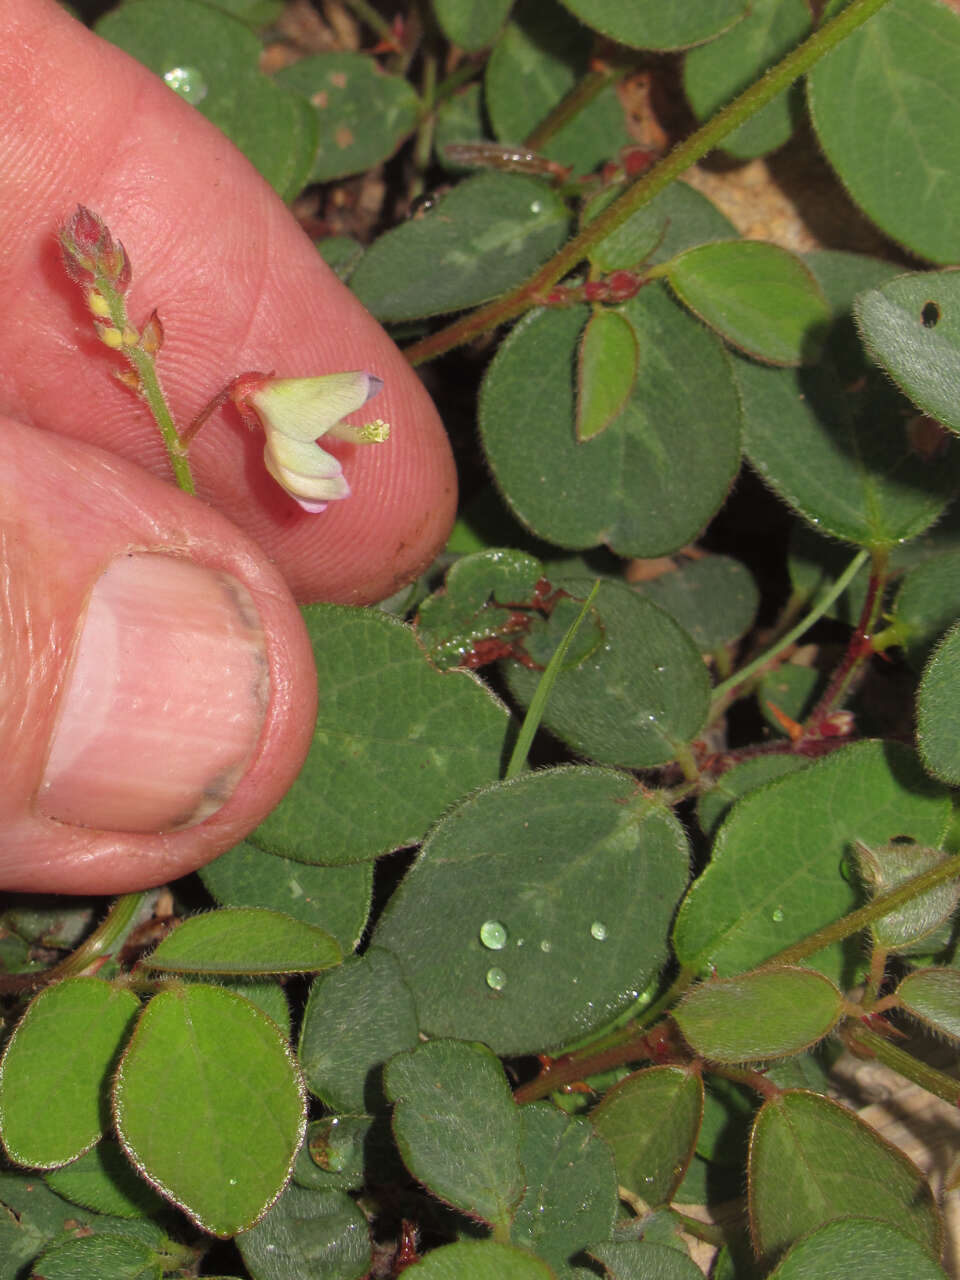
(157, 687)
(238, 287)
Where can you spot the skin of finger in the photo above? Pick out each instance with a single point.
(238, 287)
(67, 510)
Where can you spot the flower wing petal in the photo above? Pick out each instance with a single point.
(305, 408)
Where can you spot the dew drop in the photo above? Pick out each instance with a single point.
(598, 930)
(496, 979)
(187, 82)
(536, 206)
(777, 915)
(546, 946)
(660, 669)
(493, 935)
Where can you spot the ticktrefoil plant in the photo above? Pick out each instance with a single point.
(669, 865)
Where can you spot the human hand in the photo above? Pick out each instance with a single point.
(188, 686)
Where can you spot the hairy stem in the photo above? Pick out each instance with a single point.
(905, 1064)
(648, 185)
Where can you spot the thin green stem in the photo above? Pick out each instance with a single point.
(648, 185)
(377, 23)
(531, 721)
(884, 903)
(100, 944)
(795, 632)
(423, 144)
(152, 392)
(580, 96)
(905, 1064)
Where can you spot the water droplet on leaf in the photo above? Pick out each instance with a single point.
(598, 930)
(496, 979)
(777, 915)
(546, 945)
(187, 82)
(493, 935)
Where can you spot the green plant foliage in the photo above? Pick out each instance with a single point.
(858, 1249)
(341, 1053)
(55, 1072)
(576, 948)
(336, 899)
(457, 1127)
(321, 1233)
(899, 160)
(763, 300)
(933, 996)
(362, 115)
(646, 24)
(812, 1161)
(714, 599)
(473, 909)
(911, 327)
(775, 875)
(185, 1110)
(677, 219)
(606, 371)
(480, 1260)
(651, 1159)
(469, 25)
(540, 58)
(936, 716)
(211, 60)
(766, 1014)
(483, 237)
(631, 487)
(640, 1260)
(571, 1187)
(368, 786)
(639, 697)
(715, 72)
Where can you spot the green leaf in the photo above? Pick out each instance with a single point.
(634, 487)
(342, 253)
(858, 1249)
(606, 371)
(812, 1161)
(899, 159)
(937, 701)
(479, 1260)
(651, 24)
(759, 297)
(714, 599)
(715, 73)
(840, 453)
(884, 867)
(104, 1180)
(776, 872)
(766, 1014)
(211, 60)
(542, 55)
(103, 1256)
(309, 1233)
(652, 1156)
(933, 996)
(581, 874)
(911, 327)
(469, 25)
(638, 1260)
(486, 235)
(927, 604)
(571, 1195)
(395, 744)
(478, 601)
(341, 1053)
(244, 940)
(56, 1069)
(617, 706)
(677, 219)
(208, 1105)
(457, 1126)
(362, 114)
(336, 899)
(714, 805)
